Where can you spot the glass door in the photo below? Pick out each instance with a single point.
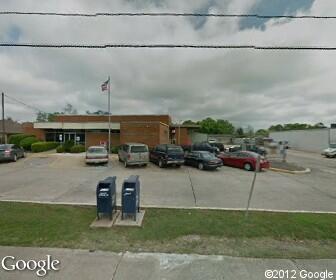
(70, 136)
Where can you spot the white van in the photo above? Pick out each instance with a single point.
(133, 154)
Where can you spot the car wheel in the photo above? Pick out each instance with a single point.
(161, 163)
(200, 166)
(178, 166)
(23, 155)
(145, 165)
(119, 159)
(125, 164)
(15, 157)
(247, 166)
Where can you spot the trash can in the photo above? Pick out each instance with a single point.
(106, 197)
(130, 199)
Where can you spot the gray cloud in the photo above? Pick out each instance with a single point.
(246, 87)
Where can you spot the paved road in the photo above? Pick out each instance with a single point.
(66, 179)
(81, 264)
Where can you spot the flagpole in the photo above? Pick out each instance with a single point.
(109, 117)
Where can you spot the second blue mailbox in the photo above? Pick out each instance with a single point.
(130, 197)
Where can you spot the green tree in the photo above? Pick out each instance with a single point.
(211, 126)
(240, 132)
(189, 122)
(208, 126)
(277, 127)
(225, 127)
(46, 117)
(262, 132)
(42, 117)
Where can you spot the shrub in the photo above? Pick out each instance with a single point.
(43, 146)
(60, 149)
(77, 149)
(17, 138)
(114, 149)
(68, 145)
(27, 142)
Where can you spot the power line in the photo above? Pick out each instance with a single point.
(166, 46)
(24, 104)
(128, 14)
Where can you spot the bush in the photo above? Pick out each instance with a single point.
(60, 149)
(77, 149)
(27, 142)
(68, 145)
(17, 138)
(114, 150)
(43, 146)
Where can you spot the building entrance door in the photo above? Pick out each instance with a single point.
(70, 136)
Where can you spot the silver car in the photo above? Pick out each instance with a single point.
(330, 152)
(11, 152)
(133, 154)
(96, 154)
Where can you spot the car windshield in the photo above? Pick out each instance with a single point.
(139, 149)
(175, 150)
(208, 156)
(333, 146)
(97, 150)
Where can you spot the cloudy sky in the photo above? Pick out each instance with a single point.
(247, 87)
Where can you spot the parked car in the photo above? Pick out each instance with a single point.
(202, 160)
(164, 155)
(218, 145)
(133, 154)
(244, 159)
(330, 152)
(204, 146)
(256, 149)
(11, 152)
(233, 148)
(96, 154)
(252, 148)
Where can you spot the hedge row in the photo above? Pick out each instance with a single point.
(17, 138)
(27, 142)
(43, 146)
(60, 149)
(77, 149)
(74, 149)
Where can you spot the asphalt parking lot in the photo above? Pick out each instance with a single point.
(66, 179)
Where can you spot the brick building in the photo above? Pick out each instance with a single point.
(93, 130)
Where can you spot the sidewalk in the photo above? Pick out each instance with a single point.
(85, 265)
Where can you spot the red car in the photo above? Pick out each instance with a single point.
(243, 159)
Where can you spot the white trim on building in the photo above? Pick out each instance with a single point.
(76, 125)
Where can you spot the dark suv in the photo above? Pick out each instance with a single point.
(204, 146)
(167, 154)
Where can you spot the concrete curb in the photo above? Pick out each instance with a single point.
(177, 207)
(306, 171)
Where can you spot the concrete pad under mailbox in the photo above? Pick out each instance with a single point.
(105, 222)
(129, 222)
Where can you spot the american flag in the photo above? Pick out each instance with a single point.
(104, 86)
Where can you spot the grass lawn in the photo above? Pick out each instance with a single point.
(280, 235)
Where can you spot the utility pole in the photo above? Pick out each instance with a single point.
(109, 115)
(3, 118)
(257, 169)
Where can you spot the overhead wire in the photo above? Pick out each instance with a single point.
(165, 46)
(164, 14)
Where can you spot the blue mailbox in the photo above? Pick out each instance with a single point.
(130, 199)
(106, 197)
